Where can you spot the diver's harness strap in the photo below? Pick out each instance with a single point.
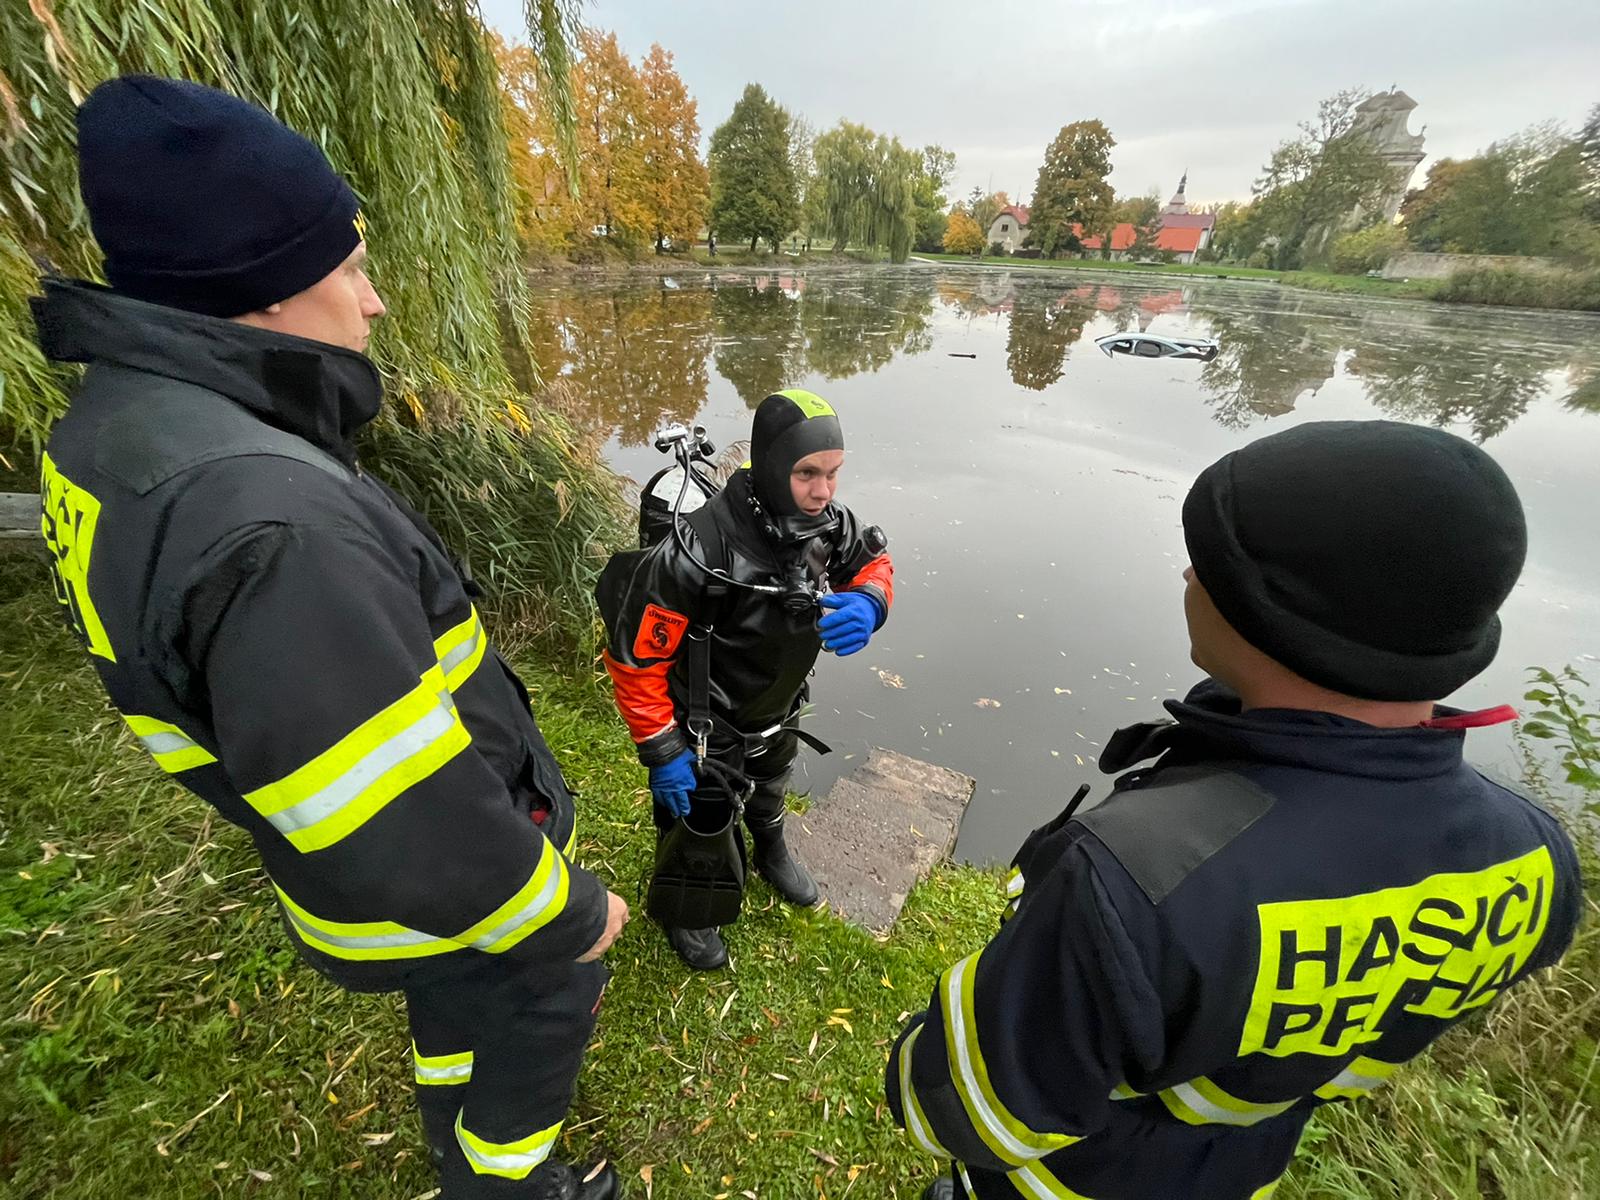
(702, 723)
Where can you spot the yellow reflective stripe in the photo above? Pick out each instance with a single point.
(441, 1069)
(572, 838)
(511, 1160)
(460, 650)
(362, 941)
(1265, 1193)
(1201, 1102)
(68, 515)
(1037, 1180)
(916, 1120)
(346, 785)
(966, 1181)
(1123, 1092)
(171, 747)
(1014, 883)
(1008, 1137)
(535, 905)
(1357, 1079)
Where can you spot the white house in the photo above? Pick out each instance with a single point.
(1009, 227)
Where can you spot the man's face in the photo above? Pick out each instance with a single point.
(338, 309)
(1210, 635)
(814, 479)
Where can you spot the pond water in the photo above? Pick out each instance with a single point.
(1031, 487)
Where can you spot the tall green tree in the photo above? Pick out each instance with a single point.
(938, 167)
(1523, 195)
(802, 161)
(1422, 208)
(753, 189)
(869, 187)
(1589, 153)
(1071, 189)
(1314, 182)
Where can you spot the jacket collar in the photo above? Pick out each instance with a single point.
(1208, 725)
(319, 392)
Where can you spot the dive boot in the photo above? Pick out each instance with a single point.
(702, 949)
(942, 1188)
(777, 866)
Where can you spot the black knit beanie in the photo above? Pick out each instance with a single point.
(205, 202)
(788, 426)
(1366, 556)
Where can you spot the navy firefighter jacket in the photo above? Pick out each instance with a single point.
(1277, 914)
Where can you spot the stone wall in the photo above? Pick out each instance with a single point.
(1415, 265)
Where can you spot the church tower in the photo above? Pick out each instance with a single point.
(1382, 120)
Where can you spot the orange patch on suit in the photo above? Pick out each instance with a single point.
(660, 631)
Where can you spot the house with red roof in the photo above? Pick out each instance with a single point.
(1009, 227)
(1180, 232)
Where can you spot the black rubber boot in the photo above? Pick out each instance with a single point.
(776, 865)
(702, 949)
(942, 1188)
(558, 1181)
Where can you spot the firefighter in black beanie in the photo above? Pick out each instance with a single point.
(1302, 885)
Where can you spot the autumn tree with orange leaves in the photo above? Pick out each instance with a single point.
(639, 174)
(547, 214)
(677, 188)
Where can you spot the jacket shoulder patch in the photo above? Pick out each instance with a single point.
(1165, 830)
(660, 631)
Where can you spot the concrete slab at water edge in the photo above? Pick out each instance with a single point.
(879, 829)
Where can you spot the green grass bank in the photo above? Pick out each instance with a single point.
(158, 1037)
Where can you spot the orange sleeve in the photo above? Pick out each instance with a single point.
(879, 573)
(642, 697)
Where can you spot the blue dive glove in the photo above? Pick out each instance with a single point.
(850, 625)
(671, 783)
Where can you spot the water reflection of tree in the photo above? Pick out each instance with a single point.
(1444, 380)
(862, 325)
(1043, 329)
(636, 354)
(759, 343)
(1270, 354)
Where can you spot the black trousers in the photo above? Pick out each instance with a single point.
(496, 1054)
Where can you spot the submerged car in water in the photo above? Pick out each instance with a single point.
(1158, 345)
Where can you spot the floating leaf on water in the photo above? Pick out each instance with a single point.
(985, 702)
(890, 679)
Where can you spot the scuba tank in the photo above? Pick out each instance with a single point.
(665, 498)
(657, 499)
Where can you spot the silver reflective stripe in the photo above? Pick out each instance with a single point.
(459, 1073)
(1351, 1078)
(529, 911)
(1226, 1116)
(369, 941)
(462, 652)
(167, 743)
(408, 743)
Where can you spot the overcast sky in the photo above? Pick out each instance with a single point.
(1211, 85)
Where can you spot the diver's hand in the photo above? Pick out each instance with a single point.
(850, 624)
(671, 783)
